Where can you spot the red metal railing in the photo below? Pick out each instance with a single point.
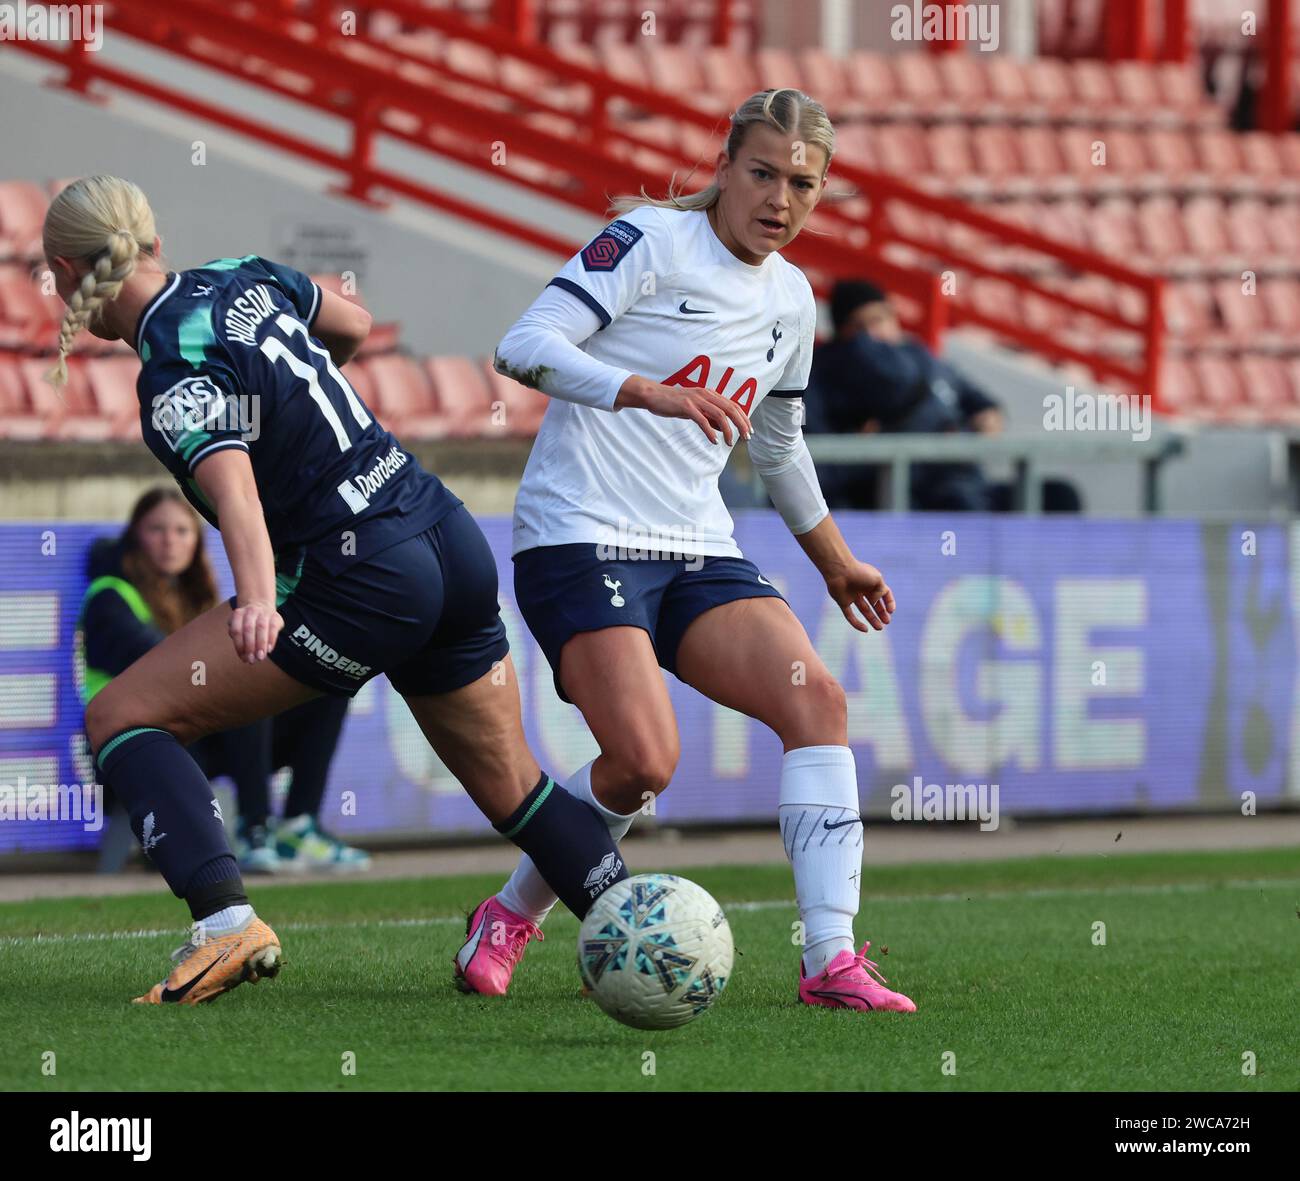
(578, 135)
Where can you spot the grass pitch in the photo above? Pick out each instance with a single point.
(1198, 968)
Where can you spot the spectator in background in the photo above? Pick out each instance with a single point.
(144, 585)
(872, 377)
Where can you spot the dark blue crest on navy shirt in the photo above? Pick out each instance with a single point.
(606, 250)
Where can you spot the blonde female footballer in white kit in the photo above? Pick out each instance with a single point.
(677, 330)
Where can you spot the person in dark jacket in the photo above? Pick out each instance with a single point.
(872, 377)
(143, 586)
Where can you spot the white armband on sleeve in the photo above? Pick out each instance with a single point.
(780, 456)
(541, 350)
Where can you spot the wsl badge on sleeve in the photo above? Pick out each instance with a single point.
(606, 250)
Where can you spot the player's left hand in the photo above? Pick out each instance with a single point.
(862, 586)
(253, 628)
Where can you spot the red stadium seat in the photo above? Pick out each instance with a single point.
(112, 382)
(22, 208)
(469, 58)
(1137, 86)
(1044, 315)
(1219, 152)
(1259, 151)
(1289, 147)
(1161, 229)
(918, 81)
(1172, 154)
(728, 74)
(1182, 92)
(1126, 152)
(17, 418)
(1093, 88)
(963, 79)
(464, 396)
(70, 412)
(1097, 291)
(526, 79)
(777, 68)
(1281, 299)
(996, 298)
(1189, 309)
(916, 223)
(1244, 316)
(1284, 230)
(901, 148)
(625, 63)
(1049, 85)
(827, 76)
(1219, 381)
(996, 152)
(1079, 153)
(1008, 86)
(871, 79)
(1115, 229)
(950, 153)
(1203, 224)
(1066, 221)
(1179, 388)
(579, 52)
(675, 70)
(856, 143)
(23, 308)
(404, 399)
(1292, 368)
(1264, 382)
(1040, 153)
(1247, 228)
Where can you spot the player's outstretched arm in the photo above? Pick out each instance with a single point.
(226, 479)
(341, 326)
(780, 455)
(851, 583)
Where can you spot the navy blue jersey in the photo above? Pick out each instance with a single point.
(228, 361)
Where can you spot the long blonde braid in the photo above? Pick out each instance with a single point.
(105, 222)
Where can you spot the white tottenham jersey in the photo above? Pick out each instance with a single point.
(679, 308)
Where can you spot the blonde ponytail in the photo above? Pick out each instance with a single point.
(789, 111)
(106, 223)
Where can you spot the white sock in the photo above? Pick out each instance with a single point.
(228, 919)
(526, 892)
(822, 832)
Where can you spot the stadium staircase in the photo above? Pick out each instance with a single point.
(971, 186)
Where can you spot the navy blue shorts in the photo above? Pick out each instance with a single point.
(565, 589)
(423, 611)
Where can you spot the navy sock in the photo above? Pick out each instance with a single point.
(568, 842)
(175, 817)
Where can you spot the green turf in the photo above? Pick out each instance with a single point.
(1199, 967)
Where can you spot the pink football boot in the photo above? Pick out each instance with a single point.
(496, 938)
(851, 982)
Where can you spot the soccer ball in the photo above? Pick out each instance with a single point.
(655, 951)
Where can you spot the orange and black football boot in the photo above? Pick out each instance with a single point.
(213, 962)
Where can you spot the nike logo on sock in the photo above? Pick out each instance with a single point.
(828, 825)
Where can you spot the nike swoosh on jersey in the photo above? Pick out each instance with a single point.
(694, 311)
